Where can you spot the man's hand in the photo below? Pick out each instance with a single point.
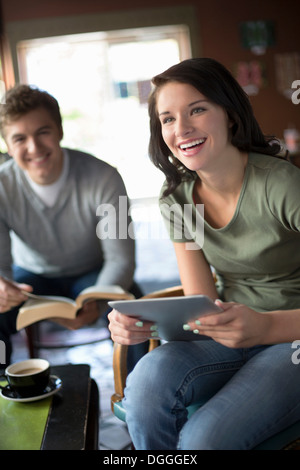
(87, 315)
(11, 294)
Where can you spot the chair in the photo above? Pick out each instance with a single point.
(289, 439)
(40, 336)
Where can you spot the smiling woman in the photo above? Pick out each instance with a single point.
(203, 76)
(207, 142)
(196, 130)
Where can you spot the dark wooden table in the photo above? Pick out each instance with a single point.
(70, 417)
(73, 419)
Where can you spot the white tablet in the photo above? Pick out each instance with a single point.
(169, 313)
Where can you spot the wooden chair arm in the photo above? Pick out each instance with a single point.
(120, 371)
(120, 368)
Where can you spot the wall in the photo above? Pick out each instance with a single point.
(218, 22)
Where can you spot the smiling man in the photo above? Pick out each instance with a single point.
(34, 142)
(49, 198)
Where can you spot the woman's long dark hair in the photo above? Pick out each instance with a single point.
(217, 84)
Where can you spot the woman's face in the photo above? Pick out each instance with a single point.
(196, 130)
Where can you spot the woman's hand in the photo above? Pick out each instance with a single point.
(128, 330)
(238, 326)
(11, 294)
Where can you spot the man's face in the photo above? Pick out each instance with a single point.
(33, 140)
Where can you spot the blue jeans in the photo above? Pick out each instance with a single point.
(248, 395)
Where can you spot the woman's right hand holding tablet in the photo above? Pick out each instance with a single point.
(130, 330)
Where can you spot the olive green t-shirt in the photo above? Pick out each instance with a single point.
(257, 255)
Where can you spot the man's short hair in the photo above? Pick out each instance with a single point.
(21, 99)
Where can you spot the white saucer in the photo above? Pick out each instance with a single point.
(53, 386)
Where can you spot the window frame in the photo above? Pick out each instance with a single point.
(18, 31)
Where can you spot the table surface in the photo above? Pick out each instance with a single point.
(66, 421)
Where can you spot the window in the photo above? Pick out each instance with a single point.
(102, 81)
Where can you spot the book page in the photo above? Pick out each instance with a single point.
(114, 289)
(102, 292)
(35, 310)
(48, 298)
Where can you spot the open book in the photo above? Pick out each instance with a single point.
(169, 313)
(40, 307)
